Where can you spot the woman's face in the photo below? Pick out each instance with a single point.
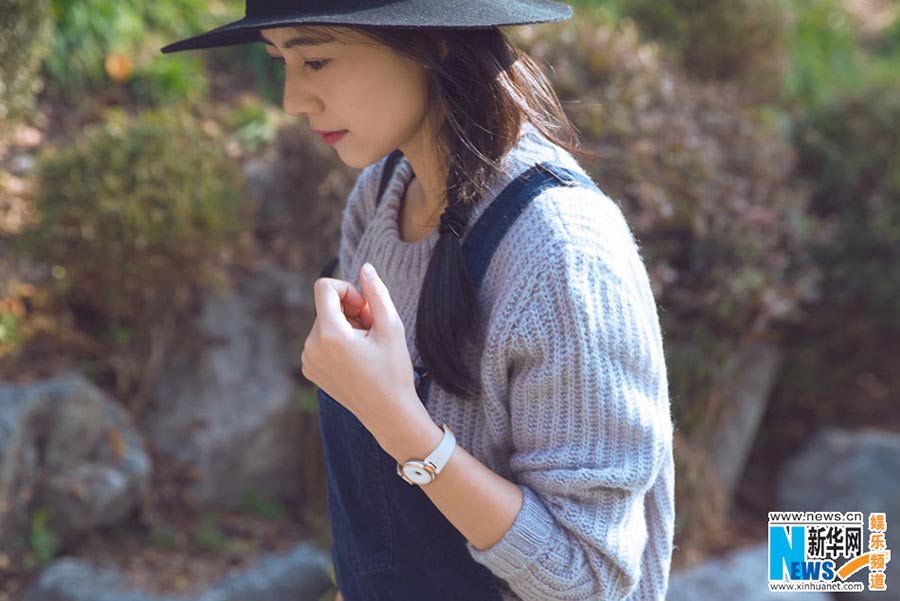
(351, 83)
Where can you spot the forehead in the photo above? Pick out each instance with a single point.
(310, 36)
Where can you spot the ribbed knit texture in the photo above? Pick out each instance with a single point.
(575, 406)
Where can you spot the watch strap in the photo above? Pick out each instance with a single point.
(436, 460)
(441, 454)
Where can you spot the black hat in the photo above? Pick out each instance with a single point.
(454, 14)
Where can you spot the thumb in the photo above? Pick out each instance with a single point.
(376, 295)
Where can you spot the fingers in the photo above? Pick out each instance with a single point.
(337, 302)
(365, 317)
(376, 293)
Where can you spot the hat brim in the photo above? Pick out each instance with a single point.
(405, 13)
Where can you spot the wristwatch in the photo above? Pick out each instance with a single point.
(424, 472)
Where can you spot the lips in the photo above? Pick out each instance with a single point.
(332, 136)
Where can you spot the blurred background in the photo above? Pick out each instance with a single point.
(162, 222)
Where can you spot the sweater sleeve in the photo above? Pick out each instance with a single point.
(589, 407)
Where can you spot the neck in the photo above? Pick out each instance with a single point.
(429, 186)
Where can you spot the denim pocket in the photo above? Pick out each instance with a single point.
(357, 499)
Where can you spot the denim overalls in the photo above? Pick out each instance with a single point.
(391, 543)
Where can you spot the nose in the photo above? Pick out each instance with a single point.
(298, 97)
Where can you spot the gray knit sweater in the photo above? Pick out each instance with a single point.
(575, 405)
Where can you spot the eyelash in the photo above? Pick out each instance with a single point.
(321, 63)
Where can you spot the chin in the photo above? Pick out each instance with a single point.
(359, 161)
(355, 164)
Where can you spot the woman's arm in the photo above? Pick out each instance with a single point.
(481, 504)
(592, 439)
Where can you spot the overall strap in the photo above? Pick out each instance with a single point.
(386, 174)
(483, 239)
(389, 165)
(488, 231)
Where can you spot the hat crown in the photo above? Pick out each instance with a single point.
(440, 14)
(277, 8)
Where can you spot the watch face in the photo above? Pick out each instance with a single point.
(417, 474)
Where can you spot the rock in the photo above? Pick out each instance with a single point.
(299, 188)
(301, 573)
(73, 579)
(843, 470)
(737, 576)
(67, 446)
(230, 407)
(746, 383)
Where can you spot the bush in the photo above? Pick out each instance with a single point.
(133, 214)
(24, 31)
(96, 42)
(738, 40)
(850, 150)
(825, 53)
(233, 66)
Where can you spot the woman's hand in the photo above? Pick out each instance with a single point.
(357, 354)
(339, 597)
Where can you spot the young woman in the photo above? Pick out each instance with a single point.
(492, 386)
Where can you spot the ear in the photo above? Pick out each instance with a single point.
(444, 48)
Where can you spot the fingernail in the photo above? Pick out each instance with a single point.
(369, 270)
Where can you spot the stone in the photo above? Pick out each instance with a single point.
(68, 447)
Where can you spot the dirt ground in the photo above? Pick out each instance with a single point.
(170, 547)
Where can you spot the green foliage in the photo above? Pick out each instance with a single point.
(42, 540)
(162, 537)
(133, 213)
(830, 56)
(888, 45)
(308, 401)
(24, 33)
(252, 502)
(734, 40)
(249, 60)
(166, 79)
(10, 330)
(209, 535)
(825, 53)
(254, 125)
(850, 149)
(89, 32)
(606, 11)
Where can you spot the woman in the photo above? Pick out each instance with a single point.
(491, 288)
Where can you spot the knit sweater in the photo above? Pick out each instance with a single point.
(575, 406)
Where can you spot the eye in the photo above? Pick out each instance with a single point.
(316, 65)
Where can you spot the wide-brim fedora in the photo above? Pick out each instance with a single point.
(453, 14)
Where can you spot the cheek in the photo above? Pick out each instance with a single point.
(386, 105)
(389, 86)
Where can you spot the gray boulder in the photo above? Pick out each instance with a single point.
(844, 470)
(737, 576)
(66, 446)
(301, 573)
(229, 406)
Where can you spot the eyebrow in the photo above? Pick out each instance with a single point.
(306, 39)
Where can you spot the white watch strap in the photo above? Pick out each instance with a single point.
(441, 454)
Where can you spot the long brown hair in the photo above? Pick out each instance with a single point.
(481, 88)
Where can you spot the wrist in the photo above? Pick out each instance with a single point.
(414, 438)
